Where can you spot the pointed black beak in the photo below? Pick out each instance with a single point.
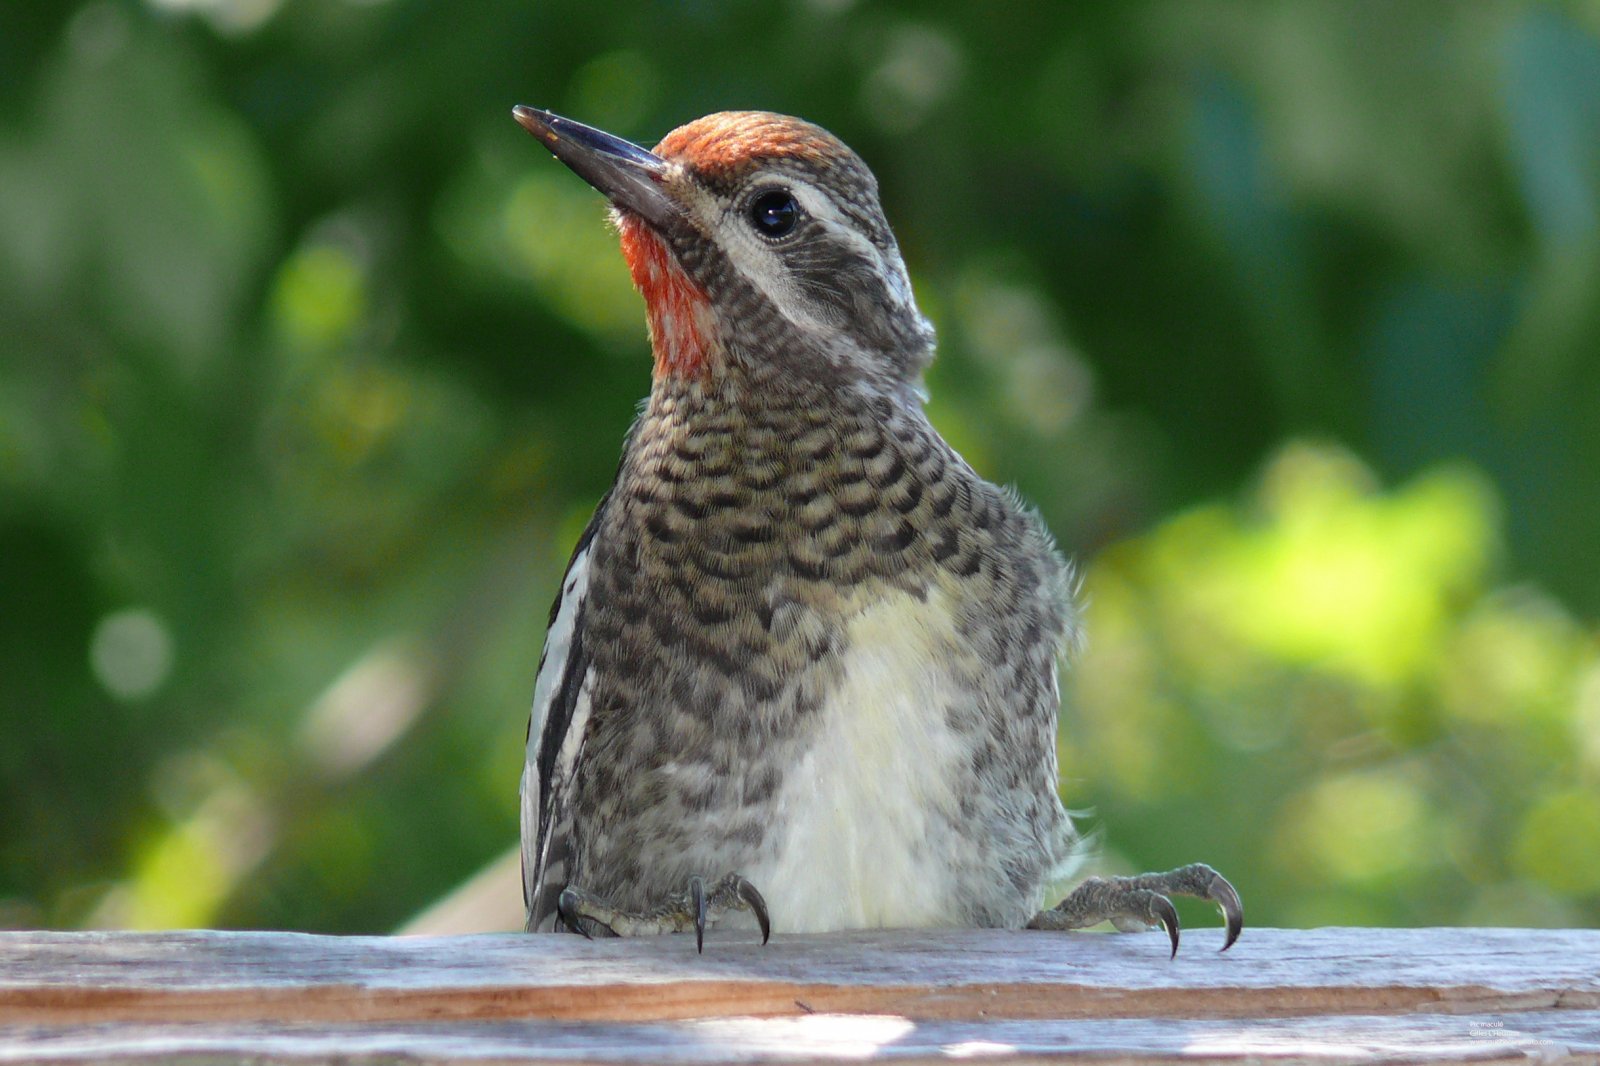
(629, 176)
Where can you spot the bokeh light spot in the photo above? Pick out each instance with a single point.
(615, 91)
(320, 296)
(1559, 844)
(1362, 828)
(232, 17)
(919, 67)
(131, 653)
(1586, 720)
(552, 225)
(1336, 575)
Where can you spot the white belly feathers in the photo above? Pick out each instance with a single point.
(857, 808)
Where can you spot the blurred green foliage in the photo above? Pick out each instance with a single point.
(1286, 315)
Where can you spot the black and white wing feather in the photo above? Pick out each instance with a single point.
(561, 704)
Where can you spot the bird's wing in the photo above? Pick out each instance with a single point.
(561, 704)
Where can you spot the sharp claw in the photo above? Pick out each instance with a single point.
(697, 894)
(1169, 921)
(1226, 897)
(567, 911)
(758, 906)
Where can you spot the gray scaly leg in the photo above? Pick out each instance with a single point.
(1134, 903)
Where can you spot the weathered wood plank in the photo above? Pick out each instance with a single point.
(1545, 1036)
(61, 978)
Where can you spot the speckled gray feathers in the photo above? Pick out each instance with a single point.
(726, 564)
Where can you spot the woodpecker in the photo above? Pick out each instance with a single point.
(801, 673)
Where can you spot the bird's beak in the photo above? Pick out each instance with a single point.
(629, 176)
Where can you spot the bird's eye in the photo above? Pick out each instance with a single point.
(774, 213)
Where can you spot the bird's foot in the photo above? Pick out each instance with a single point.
(700, 905)
(1137, 903)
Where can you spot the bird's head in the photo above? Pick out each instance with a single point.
(758, 242)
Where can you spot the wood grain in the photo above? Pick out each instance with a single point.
(1478, 994)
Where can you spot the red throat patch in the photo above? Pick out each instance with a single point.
(678, 310)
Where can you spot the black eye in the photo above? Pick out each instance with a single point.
(774, 212)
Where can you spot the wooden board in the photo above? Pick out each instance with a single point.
(1329, 994)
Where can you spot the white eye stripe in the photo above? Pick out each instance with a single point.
(760, 260)
(818, 204)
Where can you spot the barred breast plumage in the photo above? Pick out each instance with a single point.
(761, 585)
